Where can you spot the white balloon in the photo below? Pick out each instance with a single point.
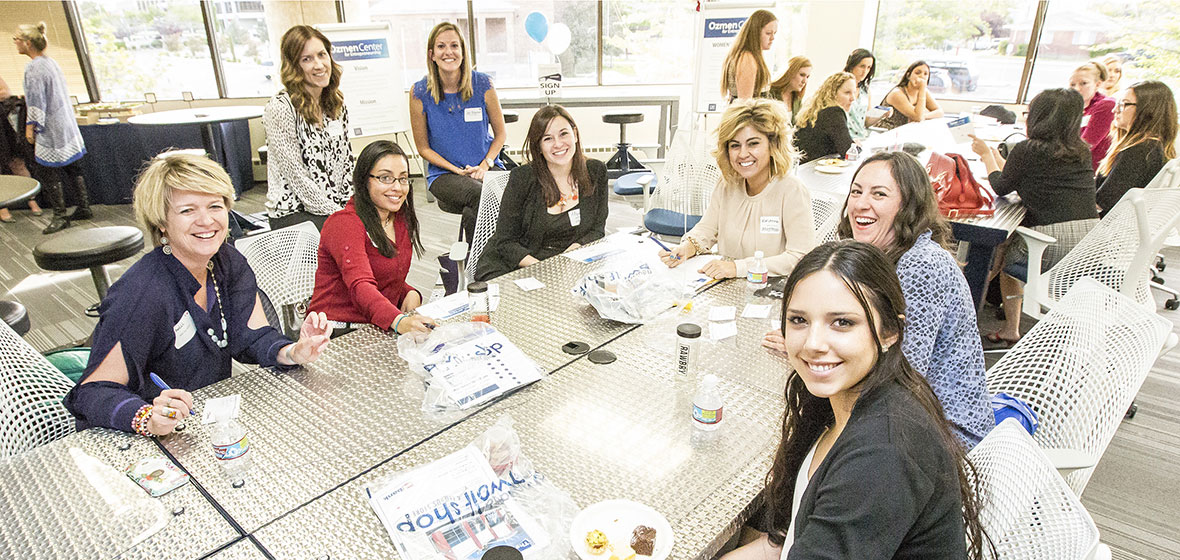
(559, 38)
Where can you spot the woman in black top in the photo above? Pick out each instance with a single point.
(1144, 138)
(867, 466)
(823, 123)
(1052, 172)
(554, 203)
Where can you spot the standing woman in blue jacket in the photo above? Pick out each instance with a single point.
(450, 111)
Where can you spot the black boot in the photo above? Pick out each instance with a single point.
(82, 212)
(57, 199)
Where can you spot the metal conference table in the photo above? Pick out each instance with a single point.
(669, 107)
(981, 234)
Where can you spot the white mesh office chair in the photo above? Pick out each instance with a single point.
(1117, 252)
(1029, 512)
(684, 188)
(494, 183)
(31, 391)
(1167, 178)
(826, 214)
(1080, 367)
(284, 262)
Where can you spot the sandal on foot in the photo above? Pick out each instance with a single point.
(999, 341)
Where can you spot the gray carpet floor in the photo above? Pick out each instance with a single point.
(1132, 496)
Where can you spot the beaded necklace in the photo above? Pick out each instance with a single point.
(223, 341)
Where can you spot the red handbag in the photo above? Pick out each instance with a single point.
(959, 194)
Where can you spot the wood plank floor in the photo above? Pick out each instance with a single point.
(1132, 495)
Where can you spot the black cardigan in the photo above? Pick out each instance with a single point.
(521, 228)
(1053, 191)
(828, 135)
(1133, 168)
(886, 489)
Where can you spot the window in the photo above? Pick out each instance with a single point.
(579, 61)
(61, 45)
(1144, 35)
(976, 50)
(140, 46)
(250, 64)
(411, 23)
(646, 42)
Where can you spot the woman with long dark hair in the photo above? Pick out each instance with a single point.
(554, 203)
(1052, 173)
(365, 249)
(868, 466)
(910, 99)
(862, 65)
(310, 159)
(1144, 139)
(451, 110)
(744, 73)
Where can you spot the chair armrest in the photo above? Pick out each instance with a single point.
(1067, 460)
(1036, 289)
(644, 181)
(1169, 343)
(1100, 552)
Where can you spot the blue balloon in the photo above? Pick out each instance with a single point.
(537, 26)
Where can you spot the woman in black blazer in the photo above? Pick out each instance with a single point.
(868, 466)
(823, 123)
(555, 203)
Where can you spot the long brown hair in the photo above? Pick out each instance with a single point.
(824, 97)
(781, 85)
(872, 280)
(749, 40)
(434, 77)
(366, 210)
(918, 211)
(1155, 119)
(532, 147)
(291, 74)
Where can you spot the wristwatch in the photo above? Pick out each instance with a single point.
(491, 162)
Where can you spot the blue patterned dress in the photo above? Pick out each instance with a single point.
(59, 143)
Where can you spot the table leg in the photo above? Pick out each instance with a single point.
(979, 261)
(207, 140)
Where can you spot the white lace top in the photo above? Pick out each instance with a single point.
(309, 167)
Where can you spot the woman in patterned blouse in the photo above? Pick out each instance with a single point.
(309, 172)
(891, 205)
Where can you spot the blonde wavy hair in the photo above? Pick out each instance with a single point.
(434, 77)
(824, 97)
(769, 118)
(34, 34)
(749, 40)
(291, 74)
(176, 172)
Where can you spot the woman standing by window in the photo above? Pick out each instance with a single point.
(307, 177)
(744, 74)
(451, 109)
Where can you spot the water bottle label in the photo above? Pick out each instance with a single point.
(233, 450)
(756, 277)
(706, 416)
(684, 352)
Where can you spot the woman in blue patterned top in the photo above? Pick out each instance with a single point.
(51, 128)
(891, 205)
(451, 109)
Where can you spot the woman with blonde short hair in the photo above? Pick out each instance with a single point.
(763, 208)
(309, 172)
(183, 311)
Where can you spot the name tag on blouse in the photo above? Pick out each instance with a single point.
(473, 114)
(184, 329)
(1085, 120)
(770, 224)
(335, 128)
(575, 217)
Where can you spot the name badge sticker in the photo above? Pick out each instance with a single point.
(184, 329)
(335, 128)
(575, 217)
(770, 224)
(472, 114)
(1085, 120)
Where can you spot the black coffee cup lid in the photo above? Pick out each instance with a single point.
(688, 330)
(502, 552)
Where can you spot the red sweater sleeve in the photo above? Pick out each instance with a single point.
(344, 240)
(1096, 133)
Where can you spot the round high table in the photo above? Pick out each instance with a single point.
(206, 117)
(15, 189)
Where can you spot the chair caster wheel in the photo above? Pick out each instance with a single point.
(1161, 266)
(1131, 411)
(1172, 304)
(1157, 279)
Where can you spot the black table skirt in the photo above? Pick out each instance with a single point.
(115, 154)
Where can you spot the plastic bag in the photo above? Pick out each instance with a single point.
(630, 291)
(418, 348)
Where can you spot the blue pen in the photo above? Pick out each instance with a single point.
(661, 244)
(163, 386)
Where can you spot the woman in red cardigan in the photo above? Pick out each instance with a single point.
(1099, 109)
(365, 249)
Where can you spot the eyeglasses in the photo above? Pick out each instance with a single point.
(390, 179)
(1124, 104)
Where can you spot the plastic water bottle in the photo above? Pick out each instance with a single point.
(231, 447)
(756, 274)
(853, 153)
(707, 405)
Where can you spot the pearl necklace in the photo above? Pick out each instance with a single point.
(223, 341)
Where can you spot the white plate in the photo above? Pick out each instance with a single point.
(618, 519)
(830, 169)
